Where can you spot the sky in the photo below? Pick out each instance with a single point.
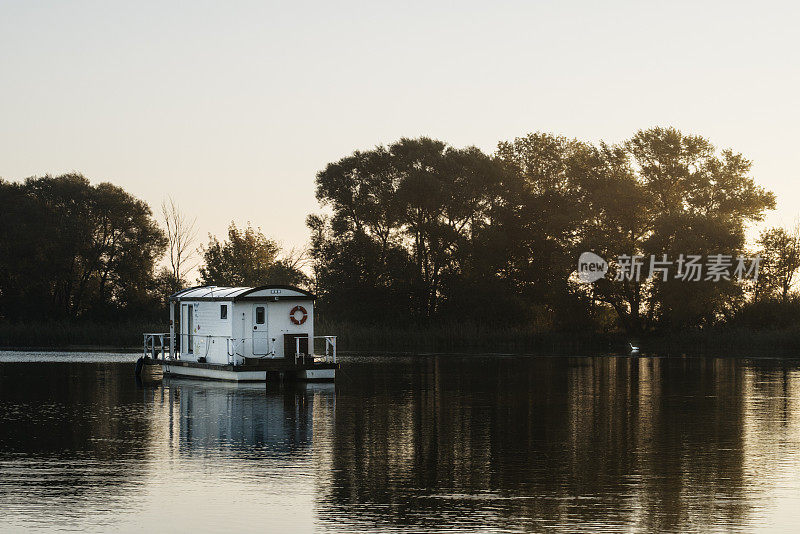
(233, 107)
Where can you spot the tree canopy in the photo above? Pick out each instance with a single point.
(70, 249)
(247, 258)
(419, 229)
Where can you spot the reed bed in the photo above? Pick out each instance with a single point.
(68, 334)
(460, 337)
(720, 341)
(351, 337)
(438, 338)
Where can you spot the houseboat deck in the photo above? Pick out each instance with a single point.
(303, 367)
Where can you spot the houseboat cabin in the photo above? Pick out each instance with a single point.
(241, 333)
(227, 325)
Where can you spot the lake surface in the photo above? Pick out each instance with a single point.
(422, 444)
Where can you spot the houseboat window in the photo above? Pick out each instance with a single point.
(223, 311)
(260, 315)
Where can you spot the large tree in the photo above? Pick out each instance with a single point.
(71, 249)
(779, 250)
(405, 218)
(547, 211)
(683, 197)
(248, 258)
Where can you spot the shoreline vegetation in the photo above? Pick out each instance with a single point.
(425, 247)
(735, 341)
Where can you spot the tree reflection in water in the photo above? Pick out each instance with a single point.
(521, 443)
(425, 444)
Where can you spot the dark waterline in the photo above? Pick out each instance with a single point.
(432, 444)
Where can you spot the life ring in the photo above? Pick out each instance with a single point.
(294, 311)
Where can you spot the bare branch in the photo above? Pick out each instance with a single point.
(181, 236)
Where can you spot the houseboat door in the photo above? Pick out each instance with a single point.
(260, 330)
(187, 329)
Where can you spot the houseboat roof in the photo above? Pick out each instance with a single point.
(268, 292)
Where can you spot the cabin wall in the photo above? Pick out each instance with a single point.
(277, 324)
(242, 329)
(211, 332)
(280, 323)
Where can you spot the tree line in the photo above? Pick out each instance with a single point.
(432, 232)
(420, 231)
(70, 250)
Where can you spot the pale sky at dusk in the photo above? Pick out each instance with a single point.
(232, 107)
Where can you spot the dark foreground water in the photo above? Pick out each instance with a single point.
(427, 444)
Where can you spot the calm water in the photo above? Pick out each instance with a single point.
(427, 444)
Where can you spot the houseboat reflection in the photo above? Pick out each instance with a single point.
(247, 419)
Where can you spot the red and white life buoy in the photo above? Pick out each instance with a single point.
(293, 315)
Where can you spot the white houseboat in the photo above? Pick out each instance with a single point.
(243, 334)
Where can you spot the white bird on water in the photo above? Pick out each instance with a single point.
(634, 348)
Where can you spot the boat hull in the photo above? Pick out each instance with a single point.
(313, 372)
(214, 374)
(318, 375)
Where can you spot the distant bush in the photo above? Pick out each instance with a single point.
(768, 314)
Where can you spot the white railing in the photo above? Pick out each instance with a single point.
(233, 345)
(231, 348)
(330, 348)
(188, 341)
(155, 346)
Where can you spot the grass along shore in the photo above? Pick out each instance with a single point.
(69, 334)
(439, 338)
(350, 337)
